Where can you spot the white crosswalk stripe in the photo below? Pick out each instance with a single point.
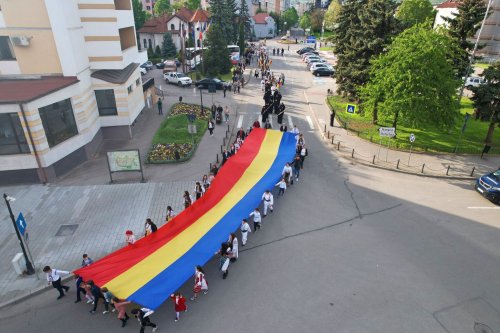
(309, 120)
(290, 122)
(246, 120)
(240, 121)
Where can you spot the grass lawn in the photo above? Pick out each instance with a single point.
(326, 48)
(431, 139)
(325, 34)
(174, 129)
(481, 65)
(225, 77)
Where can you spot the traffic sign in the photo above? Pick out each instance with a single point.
(387, 131)
(412, 137)
(350, 108)
(21, 224)
(311, 39)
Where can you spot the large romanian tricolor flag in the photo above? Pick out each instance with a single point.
(157, 265)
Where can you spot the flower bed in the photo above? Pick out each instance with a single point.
(172, 143)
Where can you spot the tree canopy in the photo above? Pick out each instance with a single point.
(317, 16)
(290, 17)
(168, 50)
(413, 83)
(140, 15)
(162, 6)
(216, 57)
(244, 18)
(331, 14)
(487, 99)
(223, 14)
(412, 12)
(305, 21)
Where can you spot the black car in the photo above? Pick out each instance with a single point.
(147, 65)
(161, 65)
(323, 72)
(307, 49)
(204, 83)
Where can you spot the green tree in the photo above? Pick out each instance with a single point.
(291, 18)
(168, 50)
(223, 14)
(463, 26)
(331, 14)
(277, 19)
(413, 83)
(317, 16)
(412, 12)
(363, 29)
(139, 14)
(244, 17)
(162, 7)
(216, 57)
(241, 38)
(305, 21)
(487, 99)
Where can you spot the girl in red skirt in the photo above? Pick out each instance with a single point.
(179, 304)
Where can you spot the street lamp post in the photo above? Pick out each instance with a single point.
(29, 266)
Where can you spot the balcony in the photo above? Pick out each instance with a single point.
(123, 5)
(127, 38)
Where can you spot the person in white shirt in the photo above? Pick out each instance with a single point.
(256, 219)
(295, 130)
(287, 174)
(268, 200)
(54, 278)
(233, 240)
(282, 186)
(245, 229)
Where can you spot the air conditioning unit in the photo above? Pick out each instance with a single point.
(20, 40)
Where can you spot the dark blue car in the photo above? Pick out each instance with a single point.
(489, 186)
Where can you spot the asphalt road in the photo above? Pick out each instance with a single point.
(348, 249)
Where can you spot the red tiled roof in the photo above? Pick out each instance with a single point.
(448, 4)
(260, 18)
(184, 14)
(157, 25)
(26, 90)
(200, 15)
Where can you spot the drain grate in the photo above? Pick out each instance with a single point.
(67, 230)
(482, 328)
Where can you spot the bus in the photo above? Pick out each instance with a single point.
(193, 55)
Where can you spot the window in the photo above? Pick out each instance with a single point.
(150, 43)
(127, 37)
(137, 82)
(6, 51)
(172, 27)
(129, 89)
(145, 43)
(148, 7)
(58, 122)
(12, 138)
(106, 102)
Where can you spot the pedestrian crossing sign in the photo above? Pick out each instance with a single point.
(350, 108)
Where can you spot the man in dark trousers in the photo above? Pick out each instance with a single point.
(276, 101)
(54, 278)
(96, 292)
(225, 156)
(281, 112)
(143, 316)
(241, 134)
(224, 88)
(160, 106)
(79, 289)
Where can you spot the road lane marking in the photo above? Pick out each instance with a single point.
(309, 120)
(483, 207)
(240, 121)
(290, 122)
(260, 120)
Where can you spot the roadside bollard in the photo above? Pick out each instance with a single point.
(472, 173)
(448, 170)
(228, 127)
(221, 150)
(210, 167)
(332, 138)
(423, 166)
(217, 158)
(373, 161)
(325, 129)
(338, 145)
(328, 134)
(352, 155)
(397, 166)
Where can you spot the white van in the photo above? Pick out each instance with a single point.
(474, 81)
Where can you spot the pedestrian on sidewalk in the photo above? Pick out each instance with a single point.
(211, 127)
(233, 241)
(225, 156)
(245, 229)
(149, 227)
(200, 284)
(129, 237)
(121, 307)
(79, 288)
(160, 106)
(199, 190)
(54, 278)
(86, 260)
(213, 110)
(108, 299)
(170, 213)
(282, 187)
(257, 219)
(226, 114)
(224, 251)
(179, 304)
(142, 316)
(215, 169)
(188, 199)
(224, 88)
(205, 182)
(303, 154)
(268, 200)
(287, 174)
(96, 294)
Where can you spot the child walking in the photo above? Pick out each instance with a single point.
(282, 187)
(199, 282)
(245, 229)
(257, 219)
(179, 304)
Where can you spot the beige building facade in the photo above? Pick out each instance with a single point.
(69, 77)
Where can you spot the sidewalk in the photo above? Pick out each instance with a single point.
(350, 146)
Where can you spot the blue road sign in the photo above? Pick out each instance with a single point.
(311, 39)
(350, 108)
(21, 224)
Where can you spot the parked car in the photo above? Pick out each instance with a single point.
(180, 79)
(147, 65)
(204, 83)
(315, 61)
(161, 65)
(489, 186)
(308, 54)
(474, 81)
(317, 65)
(169, 66)
(144, 71)
(309, 59)
(307, 49)
(323, 72)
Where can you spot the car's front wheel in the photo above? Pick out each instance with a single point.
(317, 74)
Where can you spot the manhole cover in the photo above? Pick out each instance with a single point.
(67, 230)
(482, 328)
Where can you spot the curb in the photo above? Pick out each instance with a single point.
(379, 166)
(32, 293)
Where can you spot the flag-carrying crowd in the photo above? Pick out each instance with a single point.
(228, 253)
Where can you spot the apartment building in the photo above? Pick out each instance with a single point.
(69, 77)
(148, 6)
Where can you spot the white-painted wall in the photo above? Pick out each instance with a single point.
(9, 67)
(2, 20)
(446, 12)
